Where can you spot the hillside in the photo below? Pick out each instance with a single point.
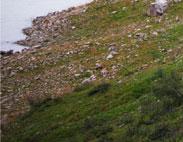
(112, 74)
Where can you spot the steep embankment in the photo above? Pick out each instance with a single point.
(121, 73)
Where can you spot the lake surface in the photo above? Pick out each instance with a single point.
(18, 14)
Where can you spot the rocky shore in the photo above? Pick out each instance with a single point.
(47, 28)
(43, 31)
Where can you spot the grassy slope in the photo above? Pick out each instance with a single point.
(127, 111)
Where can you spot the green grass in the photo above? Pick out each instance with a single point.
(172, 35)
(145, 106)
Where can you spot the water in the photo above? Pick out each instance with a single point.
(18, 14)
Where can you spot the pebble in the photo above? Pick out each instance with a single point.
(90, 79)
(77, 75)
(98, 66)
(141, 36)
(110, 56)
(155, 33)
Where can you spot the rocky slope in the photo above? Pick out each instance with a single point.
(105, 42)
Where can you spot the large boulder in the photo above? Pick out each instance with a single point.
(158, 8)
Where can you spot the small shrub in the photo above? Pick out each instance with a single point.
(140, 88)
(105, 139)
(99, 131)
(96, 127)
(160, 132)
(166, 95)
(89, 123)
(158, 74)
(86, 75)
(126, 119)
(169, 86)
(132, 130)
(156, 54)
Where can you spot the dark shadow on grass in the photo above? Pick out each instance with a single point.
(100, 89)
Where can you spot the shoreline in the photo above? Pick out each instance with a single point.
(44, 26)
(44, 29)
(50, 26)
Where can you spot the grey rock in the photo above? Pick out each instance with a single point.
(141, 36)
(154, 33)
(77, 75)
(90, 79)
(158, 8)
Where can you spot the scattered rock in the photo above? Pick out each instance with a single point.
(12, 73)
(155, 33)
(124, 8)
(6, 53)
(177, 18)
(37, 46)
(104, 72)
(77, 75)
(113, 51)
(114, 12)
(112, 47)
(141, 36)
(110, 56)
(129, 35)
(170, 50)
(98, 66)
(27, 31)
(20, 68)
(37, 77)
(90, 79)
(73, 27)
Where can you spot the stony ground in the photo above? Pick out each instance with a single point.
(113, 42)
